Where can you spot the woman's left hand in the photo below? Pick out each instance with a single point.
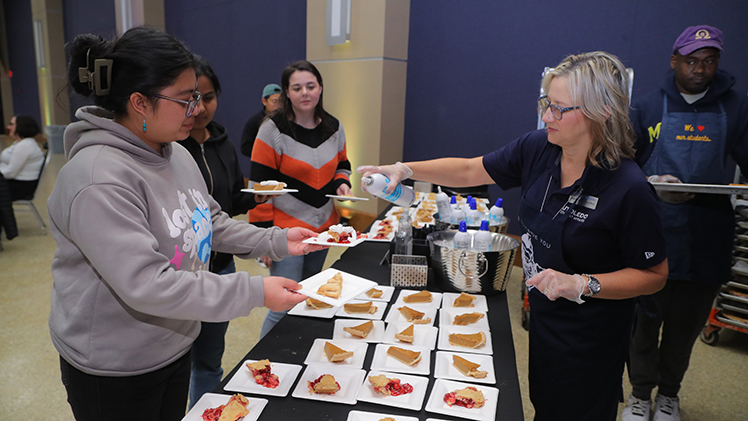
(261, 198)
(344, 190)
(295, 236)
(555, 285)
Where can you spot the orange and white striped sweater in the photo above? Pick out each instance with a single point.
(314, 162)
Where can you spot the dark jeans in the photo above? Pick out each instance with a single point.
(158, 396)
(653, 362)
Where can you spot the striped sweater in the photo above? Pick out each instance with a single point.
(314, 162)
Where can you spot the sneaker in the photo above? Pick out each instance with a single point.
(666, 409)
(636, 409)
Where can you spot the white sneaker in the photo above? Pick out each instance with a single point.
(636, 409)
(666, 409)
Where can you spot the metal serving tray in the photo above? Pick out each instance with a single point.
(724, 319)
(737, 284)
(729, 296)
(735, 309)
(701, 188)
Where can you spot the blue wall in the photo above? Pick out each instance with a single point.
(21, 59)
(474, 67)
(81, 17)
(248, 45)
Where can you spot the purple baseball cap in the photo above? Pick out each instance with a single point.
(696, 37)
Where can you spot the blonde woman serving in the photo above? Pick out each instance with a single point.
(589, 218)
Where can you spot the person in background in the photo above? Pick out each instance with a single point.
(270, 102)
(21, 162)
(262, 215)
(686, 131)
(589, 220)
(302, 145)
(135, 226)
(214, 153)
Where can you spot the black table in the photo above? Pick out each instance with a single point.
(292, 338)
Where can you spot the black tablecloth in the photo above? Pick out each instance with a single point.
(291, 339)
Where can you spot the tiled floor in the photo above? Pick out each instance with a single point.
(715, 388)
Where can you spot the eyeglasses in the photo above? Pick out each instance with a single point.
(556, 111)
(191, 104)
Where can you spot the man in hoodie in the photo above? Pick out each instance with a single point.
(686, 132)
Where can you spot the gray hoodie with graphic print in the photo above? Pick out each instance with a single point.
(134, 232)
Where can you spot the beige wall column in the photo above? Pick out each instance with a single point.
(132, 13)
(365, 82)
(49, 39)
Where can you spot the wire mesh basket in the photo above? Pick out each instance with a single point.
(409, 271)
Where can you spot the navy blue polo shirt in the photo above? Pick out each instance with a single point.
(616, 224)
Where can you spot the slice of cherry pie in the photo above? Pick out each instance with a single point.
(468, 397)
(261, 372)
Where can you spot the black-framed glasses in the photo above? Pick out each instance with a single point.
(556, 111)
(191, 104)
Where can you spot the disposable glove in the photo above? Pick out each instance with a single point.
(670, 196)
(396, 173)
(555, 285)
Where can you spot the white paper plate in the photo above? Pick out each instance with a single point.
(347, 198)
(384, 362)
(436, 300)
(391, 213)
(394, 316)
(376, 334)
(387, 292)
(349, 381)
(447, 317)
(412, 400)
(437, 405)
(270, 192)
(423, 335)
(352, 286)
(316, 353)
(245, 383)
(443, 368)
(213, 400)
(301, 309)
(375, 227)
(479, 304)
(317, 241)
(444, 345)
(377, 315)
(375, 416)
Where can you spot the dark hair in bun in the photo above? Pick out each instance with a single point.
(26, 126)
(145, 60)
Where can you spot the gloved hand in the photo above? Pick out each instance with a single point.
(670, 196)
(554, 285)
(396, 173)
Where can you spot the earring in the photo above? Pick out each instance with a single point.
(144, 128)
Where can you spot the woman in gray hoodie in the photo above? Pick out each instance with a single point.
(135, 226)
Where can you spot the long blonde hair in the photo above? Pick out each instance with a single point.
(598, 82)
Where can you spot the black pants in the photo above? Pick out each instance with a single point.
(158, 396)
(653, 362)
(22, 189)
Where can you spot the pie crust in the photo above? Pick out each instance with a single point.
(325, 385)
(413, 316)
(234, 409)
(468, 368)
(405, 356)
(465, 300)
(374, 293)
(406, 335)
(316, 304)
(467, 319)
(389, 387)
(362, 330)
(333, 287)
(263, 376)
(270, 185)
(473, 340)
(360, 308)
(335, 354)
(419, 297)
(468, 397)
